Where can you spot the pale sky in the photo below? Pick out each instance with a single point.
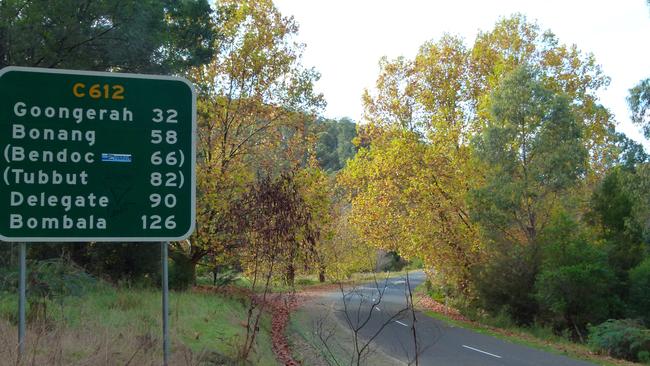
(345, 39)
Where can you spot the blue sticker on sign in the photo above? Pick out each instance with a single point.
(116, 158)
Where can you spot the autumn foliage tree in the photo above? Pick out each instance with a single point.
(275, 232)
(252, 95)
(404, 199)
(424, 114)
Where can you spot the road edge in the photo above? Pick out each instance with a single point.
(519, 338)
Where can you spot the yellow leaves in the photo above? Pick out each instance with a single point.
(255, 101)
(408, 196)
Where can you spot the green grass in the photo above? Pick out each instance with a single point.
(125, 323)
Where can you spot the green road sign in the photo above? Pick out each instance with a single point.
(94, 156)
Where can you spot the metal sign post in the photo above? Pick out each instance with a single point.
(96, 157)
(165, 301)
(22, 298)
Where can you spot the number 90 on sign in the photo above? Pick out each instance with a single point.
(169, 200)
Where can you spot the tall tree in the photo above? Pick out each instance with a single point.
(533, 151)
(255, 97)
(515, 42)
(335, 143)
(444, 93)
(428, 94)
(639, 102)
(424, 104)
(404, 199)
(152, 36)
(444, 96)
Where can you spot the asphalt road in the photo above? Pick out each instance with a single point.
(439, 343)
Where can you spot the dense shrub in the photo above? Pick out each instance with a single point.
(117, 262)
(505, 283)
(640, 290)
(181, 271)
(57, 279)
(622, 339)
(132, 262)
(612, 212)
(575, 281)
(8, 267)
(48, 281)
(52, 279)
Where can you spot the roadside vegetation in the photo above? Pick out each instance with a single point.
(495, 163)
(491, 165)
(75, 319)
(501, 326)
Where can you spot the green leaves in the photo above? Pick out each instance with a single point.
(533, 152)
(151, 36)
(334, 146)
(639, 103)
(640, 290)
(623, 338)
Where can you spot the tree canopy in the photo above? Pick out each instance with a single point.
(148, 36)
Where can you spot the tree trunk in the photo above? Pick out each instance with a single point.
(290, 275)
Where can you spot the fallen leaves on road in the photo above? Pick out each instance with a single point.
(432, 305)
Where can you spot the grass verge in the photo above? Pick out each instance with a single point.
(109, 326)
(536, 337)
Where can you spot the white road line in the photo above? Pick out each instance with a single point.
(377, 308)
(400, 323)
(399, 282)
(478, 350)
